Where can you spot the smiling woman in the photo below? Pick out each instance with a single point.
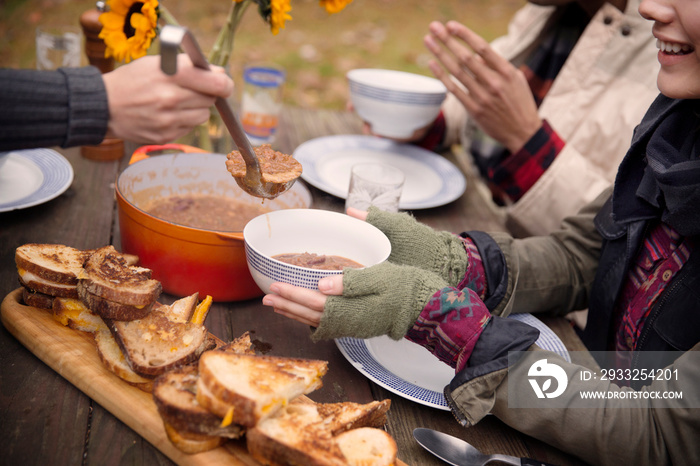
(629, 257)
(677, 30)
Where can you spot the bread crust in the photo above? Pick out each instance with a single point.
(367, 446)
(114, 360)
(175, 396)
(36, 299)
(52, 262)
(324, 434)
(243, 408)
(112, 310)
(217, 397)
(191, 443)
(294, 435)
(58, 290)
(344, 416)
(134, 337)
(269, 451)
(107, 274)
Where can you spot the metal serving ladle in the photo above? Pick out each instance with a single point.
(171, 39)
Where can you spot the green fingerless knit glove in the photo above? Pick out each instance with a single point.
(416, 244)
(385, 299)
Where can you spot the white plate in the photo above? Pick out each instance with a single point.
(411, 371)
(431, 180)
(33, 176)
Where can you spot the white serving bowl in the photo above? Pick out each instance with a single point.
(316, 231)
(395, 103)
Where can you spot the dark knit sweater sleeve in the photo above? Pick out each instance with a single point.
(67, 107)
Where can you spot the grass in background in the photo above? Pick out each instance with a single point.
(315, 48)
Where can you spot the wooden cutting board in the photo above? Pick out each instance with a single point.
(73, 355)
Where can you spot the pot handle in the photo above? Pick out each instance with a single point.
(144, 151)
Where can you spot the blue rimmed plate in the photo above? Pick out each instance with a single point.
(431, 180)
(33, 176)
(412, 372)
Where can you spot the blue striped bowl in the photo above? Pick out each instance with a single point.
(315, 231)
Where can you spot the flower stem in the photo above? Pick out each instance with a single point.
(221, 52)
(167, 16)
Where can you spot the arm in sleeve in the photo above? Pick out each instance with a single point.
(516, 174)
(551, 274)
(618, 430)
(67, 107)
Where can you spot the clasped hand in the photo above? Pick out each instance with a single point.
(494, 92)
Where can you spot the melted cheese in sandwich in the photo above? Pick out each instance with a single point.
(228, 419)
(73, 313)
(29, 277)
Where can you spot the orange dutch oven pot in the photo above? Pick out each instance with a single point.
(186, 259)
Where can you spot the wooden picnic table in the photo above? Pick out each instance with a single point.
(47, 420)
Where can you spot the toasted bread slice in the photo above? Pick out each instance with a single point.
(295, 434)
(113, 358)
(108, 309)
(192, 443)
(55, 263)
(74, 314)
(51, 269)
(313, 433)
(175, 396)
(183, 309)
(254, 387)
(367, 446)
(275, 167)
(131, 259)
(240, 345)
(344, 416)
(36, 299)
(107, 274)
(155, 344)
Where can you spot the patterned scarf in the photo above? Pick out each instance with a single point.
(660, 175)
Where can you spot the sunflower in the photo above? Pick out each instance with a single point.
(334, 6)
(128, 28)
(279, 14)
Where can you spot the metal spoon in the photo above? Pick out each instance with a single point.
(171, 39)
(457, 452)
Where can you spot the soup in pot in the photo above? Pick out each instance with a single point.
(205, 211)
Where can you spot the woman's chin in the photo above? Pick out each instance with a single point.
(676, 87)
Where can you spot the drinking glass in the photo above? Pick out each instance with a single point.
(375, 184)
(58, 46)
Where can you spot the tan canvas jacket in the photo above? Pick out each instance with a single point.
(599, 96)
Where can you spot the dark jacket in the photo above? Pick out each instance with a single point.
(584, 265)
(674, 321)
